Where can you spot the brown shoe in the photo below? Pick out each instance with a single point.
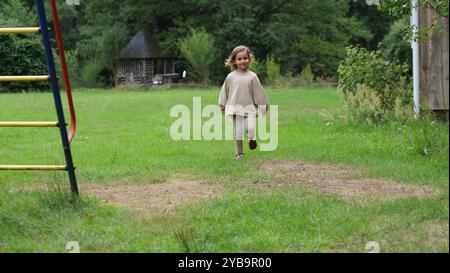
(252, 144)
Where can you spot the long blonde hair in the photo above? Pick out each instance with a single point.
(230, 61)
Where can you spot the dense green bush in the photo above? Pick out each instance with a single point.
(364, 72)
(98, 54)
(15, 13)
(306, 77)
(257, 67)
(73, 67)
(364, 105)
(198, 49)
(94, 75)
(272, 70)
(20, 55)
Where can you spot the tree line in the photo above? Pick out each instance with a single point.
(295, 34)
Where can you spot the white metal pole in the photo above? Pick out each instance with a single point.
(415, 57)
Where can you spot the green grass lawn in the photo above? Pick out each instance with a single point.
(123, 136)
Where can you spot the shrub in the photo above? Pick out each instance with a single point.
(273, 71)
(364, 105)
(91, 75)
(73, 67)
(362, 72)
(306, 77)
(257, 67)
(198, 49)
(15, 13)
(22, 56)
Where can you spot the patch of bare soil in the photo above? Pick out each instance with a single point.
(147, 199)
(154, 198)
(342, 181)
(351, 184)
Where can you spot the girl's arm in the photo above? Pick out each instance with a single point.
(223, 97)
(259, 95)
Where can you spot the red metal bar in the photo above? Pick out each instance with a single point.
(59, 40)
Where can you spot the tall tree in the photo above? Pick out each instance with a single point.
(295, 33)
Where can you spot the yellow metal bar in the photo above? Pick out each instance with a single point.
(16, 30)
(29, 124)
(24, 78)
(32, 167)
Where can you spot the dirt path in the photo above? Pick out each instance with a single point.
(154, 198)
(343, 182)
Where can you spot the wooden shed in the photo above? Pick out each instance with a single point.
(141, 63)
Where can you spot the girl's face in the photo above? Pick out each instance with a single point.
(242, 61)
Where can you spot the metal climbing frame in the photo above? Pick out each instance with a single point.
(52, 77)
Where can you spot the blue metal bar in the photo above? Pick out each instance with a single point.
(56, 94)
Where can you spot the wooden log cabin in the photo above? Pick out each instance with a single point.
(140, 63)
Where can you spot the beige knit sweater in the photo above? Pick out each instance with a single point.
(243, 94)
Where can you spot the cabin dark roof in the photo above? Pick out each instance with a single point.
(142, 45)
